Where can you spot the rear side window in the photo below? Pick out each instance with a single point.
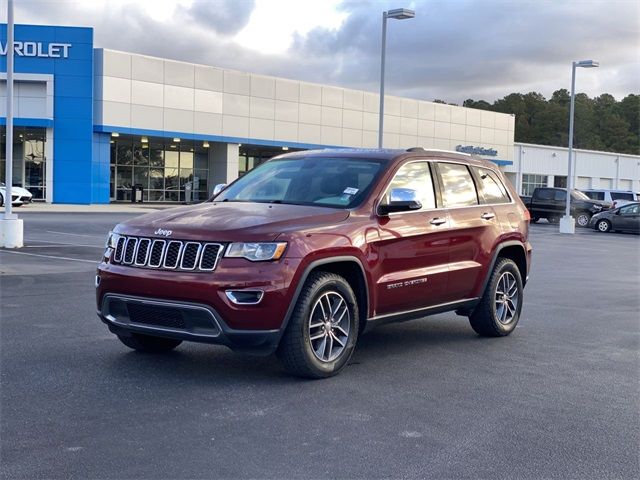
(415, 176)
(560, 195)
(595, 195)
(622, 196)
(493, 190)
(458, 189)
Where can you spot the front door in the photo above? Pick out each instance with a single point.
(627, 219)
(412, 247)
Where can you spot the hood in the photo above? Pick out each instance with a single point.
(230, 221)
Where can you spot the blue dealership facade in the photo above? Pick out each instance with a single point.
(61, 60)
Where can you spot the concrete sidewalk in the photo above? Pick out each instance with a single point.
(140, 208)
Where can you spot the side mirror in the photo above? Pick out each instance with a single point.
(218, 188)
(400, 200)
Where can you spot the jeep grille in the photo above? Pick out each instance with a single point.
(167, 254)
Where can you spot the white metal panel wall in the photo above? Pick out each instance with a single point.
(30, 99)
(592, 169)
(135, 91)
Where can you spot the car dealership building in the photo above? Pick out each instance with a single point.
(91, 123)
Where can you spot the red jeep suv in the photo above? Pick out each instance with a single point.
(311, 249)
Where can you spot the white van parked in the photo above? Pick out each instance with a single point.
(616, 197)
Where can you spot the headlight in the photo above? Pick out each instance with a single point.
(112, 240)
(256, 252)
(597, 207)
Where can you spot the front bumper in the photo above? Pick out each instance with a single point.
(194, 306)
(125, 315)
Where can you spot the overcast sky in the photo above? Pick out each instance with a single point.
(452, 50)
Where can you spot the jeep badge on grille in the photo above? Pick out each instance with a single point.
(164, 233)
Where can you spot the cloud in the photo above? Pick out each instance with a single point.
(452, 50)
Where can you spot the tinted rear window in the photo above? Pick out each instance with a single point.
(622, 196)
(595, 195)
(493, 190)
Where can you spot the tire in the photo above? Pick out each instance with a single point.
(327, 354)
(603, 226)
(488, 319)
(553, 220)
(1, 200)
(582, 220)
(535, 219)
(148, 343)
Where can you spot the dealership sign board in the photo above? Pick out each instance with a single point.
(38, 49)
(492, 152)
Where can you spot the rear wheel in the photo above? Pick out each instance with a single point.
(553, 220)
(323, 328)
(603, 226)
(583, 219)
(498, 312)
(1, 200)
(148, 343)
(535, 219)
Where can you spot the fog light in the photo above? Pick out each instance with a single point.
(245, 297)
(97, 281)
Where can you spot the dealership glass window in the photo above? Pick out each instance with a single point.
(29, 161)
(531, 181)
(458, 189)
(560, 181)
(163, 168)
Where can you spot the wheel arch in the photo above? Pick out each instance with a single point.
(513, 250)
(347, 266)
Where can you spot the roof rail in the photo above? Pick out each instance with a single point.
(422, 149)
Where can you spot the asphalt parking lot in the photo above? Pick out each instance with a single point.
(559, 398)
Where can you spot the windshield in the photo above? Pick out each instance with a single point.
(579, 195)
(329, 182)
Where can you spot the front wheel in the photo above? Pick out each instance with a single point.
(603, 226)
(148, 343)
(1, 200)
(323, 329)
(498, 312)
(583, 219)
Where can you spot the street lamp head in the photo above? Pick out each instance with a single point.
(587, 64)
(401, 13)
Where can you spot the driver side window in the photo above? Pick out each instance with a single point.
(630, 210)
(415, 176)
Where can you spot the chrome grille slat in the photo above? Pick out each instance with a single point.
(130, 250)
(167, 254)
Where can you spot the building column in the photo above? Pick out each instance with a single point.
(521, 153)
(223, 163)
(48, 156)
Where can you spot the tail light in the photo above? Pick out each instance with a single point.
(527, 215)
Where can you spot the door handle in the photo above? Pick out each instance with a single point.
(487, 216)
(438, 221)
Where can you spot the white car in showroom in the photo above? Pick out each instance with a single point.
(19, 195)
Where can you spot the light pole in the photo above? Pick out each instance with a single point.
(567, 223)
(11, 230)
(398, 14)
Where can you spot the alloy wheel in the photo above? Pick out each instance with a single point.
(506, 298)
(329, 326)
(583, 219)
(603, 226)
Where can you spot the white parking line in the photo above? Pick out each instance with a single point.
(60, 244)
(51, 256)
(76, 234)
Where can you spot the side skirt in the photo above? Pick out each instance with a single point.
(466, 305)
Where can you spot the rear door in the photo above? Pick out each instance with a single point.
(412, 247)
(474, 228)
